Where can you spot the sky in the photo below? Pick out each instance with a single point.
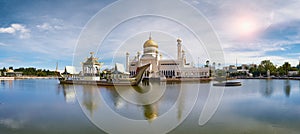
(40, 33)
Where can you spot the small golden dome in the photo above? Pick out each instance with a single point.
(10, 71)
(150, 43)
(179, 40)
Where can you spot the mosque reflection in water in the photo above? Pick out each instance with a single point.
(89, 95)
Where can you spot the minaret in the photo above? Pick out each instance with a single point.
(138, 55)
(56, 69)
(179, 49)
(157, 56)
(127, 62)
(138, 58)
(183, 57)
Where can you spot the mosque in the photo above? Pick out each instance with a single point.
(164, 68)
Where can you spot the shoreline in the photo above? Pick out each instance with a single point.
(270, 78)
(187, 80)
(166, 80)
(28, 77)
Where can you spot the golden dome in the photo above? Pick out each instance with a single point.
(150, 43)
(10, 71)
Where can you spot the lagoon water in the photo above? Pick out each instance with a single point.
(46, 107)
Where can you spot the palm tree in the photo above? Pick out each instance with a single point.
(207, 63)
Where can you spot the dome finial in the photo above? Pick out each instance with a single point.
(150, 38)
(92, 54)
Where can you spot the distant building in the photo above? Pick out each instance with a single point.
(91, 71)
(70, 72)
(298, 66)
(116, 73)
(11, 73)
(230, 69)
(233, 70)
(119, 72)
(293, 73)
(91, 67)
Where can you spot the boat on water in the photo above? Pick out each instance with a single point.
(226, 84)
(133, 81)
(222, 81)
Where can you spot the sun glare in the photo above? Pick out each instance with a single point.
(246, 26)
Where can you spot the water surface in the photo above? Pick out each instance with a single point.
(44, 106)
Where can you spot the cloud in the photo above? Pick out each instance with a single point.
(7, 30)
(278, 51)
(44, 26)
(58, 31)
(53, 24)
(47, 27)
(278, 24)
(3, 44)
(10, 123)
(16, 29)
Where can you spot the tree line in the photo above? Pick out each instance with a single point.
(266, 65)
(31, 71)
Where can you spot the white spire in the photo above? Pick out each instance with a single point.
(150, 37)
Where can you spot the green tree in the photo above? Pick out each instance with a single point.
(207, 63)
(280, 70)
(41, 73)
(266, 65)
(254, 71)
(284, 68)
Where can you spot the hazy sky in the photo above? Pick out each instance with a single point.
(40, 33)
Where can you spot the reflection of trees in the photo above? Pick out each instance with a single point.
(2, 82)
(10, 83)
(268, 88)
(287, 88)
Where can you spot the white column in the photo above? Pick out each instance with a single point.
(179, 49)
(127, 62)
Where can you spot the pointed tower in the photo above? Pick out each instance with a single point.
(127, 62)
(179, 49)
